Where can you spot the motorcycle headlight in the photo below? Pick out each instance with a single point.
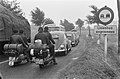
(41, 51)
(32, 52)
(62, 46)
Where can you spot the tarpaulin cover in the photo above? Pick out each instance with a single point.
(10, 21)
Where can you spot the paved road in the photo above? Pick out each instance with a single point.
(32, 71)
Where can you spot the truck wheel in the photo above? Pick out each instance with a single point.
(41, 66)
(29, 40)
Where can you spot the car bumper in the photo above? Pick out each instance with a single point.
(62, 50)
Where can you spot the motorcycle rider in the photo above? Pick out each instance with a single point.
(15, 38)
(25, 45)
(51, 46)
(24, 38)
(40, 35)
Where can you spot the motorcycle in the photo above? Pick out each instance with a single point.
(41, 54)
(15, 54)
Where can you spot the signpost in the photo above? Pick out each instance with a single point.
(105, 16)
(109, 29)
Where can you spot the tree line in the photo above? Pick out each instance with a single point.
(38, 16)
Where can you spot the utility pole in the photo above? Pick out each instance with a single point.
(118, 6)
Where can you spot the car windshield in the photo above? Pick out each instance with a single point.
(54, 28)
(55, 36)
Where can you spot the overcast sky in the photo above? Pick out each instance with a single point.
(65, 9)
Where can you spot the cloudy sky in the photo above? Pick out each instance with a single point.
(65, 9)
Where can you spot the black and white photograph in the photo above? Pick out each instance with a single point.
(59, 39)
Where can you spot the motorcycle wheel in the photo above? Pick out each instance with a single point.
(11, 64)
(41, 66)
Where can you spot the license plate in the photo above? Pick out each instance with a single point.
(11, 61)
(37, 61)
(11, 58)
(41, 61)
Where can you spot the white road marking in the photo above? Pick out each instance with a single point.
(75, 58)
(3, 62)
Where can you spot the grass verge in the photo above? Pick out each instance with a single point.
(91, 64)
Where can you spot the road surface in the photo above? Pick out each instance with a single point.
(32, 71)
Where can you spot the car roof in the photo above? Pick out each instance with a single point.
(50, 25)
(57, 32)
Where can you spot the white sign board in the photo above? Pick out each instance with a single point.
(109, 29)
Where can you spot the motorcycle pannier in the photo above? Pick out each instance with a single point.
(18, 47)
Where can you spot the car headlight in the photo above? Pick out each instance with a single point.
(62, 46)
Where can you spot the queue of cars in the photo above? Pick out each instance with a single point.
(64, 40)
(73, 38)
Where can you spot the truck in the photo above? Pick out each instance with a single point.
(10, 21)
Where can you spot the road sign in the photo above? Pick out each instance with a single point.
(105, 15)
(109, 29)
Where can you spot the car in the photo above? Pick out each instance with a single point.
(62, 44)
(76, 38)
(71, 37)
(77, 34)
(53, 27)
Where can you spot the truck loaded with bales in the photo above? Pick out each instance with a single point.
(10, 21)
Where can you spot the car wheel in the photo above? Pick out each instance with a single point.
(70, 49)
(66, 52)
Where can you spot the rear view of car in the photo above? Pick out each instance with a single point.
(71, 37)
(62, 45)
(76, 41)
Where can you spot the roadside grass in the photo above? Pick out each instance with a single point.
(91, 64)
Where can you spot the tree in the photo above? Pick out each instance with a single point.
(92, 19)
(89, 21)
(37, 16)
(47, 21)
(13, 6)
(94, 12)
(68, 26)
(80, 23)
